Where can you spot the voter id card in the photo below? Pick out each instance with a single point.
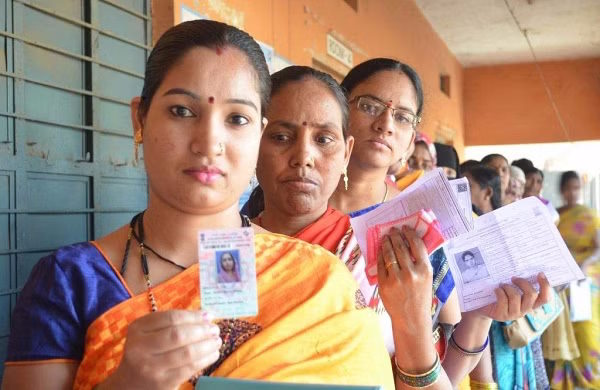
(228, 272)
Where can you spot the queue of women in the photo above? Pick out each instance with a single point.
(124, 311)
(567, 354)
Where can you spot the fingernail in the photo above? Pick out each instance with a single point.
(214, 330)
(543, 276)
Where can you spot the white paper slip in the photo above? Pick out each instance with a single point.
(432, 191)
(580, 300)
(519, 239)
(462, 190)
(228, 272)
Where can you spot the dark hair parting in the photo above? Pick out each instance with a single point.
(298, 73)
(366, 69)
(178, 40)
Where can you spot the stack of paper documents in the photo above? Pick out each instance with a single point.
(519, 239)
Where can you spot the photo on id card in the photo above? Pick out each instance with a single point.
(228, 272)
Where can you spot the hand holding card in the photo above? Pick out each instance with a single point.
(228, 272)
(423, 222)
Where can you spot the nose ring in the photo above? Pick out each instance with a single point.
(221, 148)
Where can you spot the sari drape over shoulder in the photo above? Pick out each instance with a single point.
(327, 231)
(311, 328)
(347, 249)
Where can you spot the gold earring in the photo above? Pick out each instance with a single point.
(345, 178)
(137, 140)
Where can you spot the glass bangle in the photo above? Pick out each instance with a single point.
(420, 380)
(467, 351)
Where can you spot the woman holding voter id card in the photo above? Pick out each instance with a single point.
(313, 145)
(124, 311)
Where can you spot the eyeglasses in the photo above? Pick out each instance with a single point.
(416, 164)
(375, 107)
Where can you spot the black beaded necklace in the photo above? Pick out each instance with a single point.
(138, 221)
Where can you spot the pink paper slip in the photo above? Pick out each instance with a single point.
(423, 222)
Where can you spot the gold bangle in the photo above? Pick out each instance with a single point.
(475, 385)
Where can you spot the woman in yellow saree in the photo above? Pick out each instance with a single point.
(123, 311)
(580, 228)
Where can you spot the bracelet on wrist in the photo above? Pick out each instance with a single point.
(482, 386)
(419, 380)
(469, 352)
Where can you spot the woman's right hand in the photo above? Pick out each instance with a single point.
(405, 278)
(164, 349)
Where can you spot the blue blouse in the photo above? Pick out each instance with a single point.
(66, 291)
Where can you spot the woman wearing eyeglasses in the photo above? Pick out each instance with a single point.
(386, 102)
(424, 156)
(376, 87)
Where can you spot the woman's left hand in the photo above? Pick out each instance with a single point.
(512, 304)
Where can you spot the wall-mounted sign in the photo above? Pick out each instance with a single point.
(340, 52)
(188, 14)
(268, 52)
(278, 63)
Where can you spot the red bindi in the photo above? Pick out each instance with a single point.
(219, 50)
(211, 99)
(304, 123)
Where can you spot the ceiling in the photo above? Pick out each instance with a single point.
(483, 32)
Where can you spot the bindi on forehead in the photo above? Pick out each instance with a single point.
(211, 99)
(219, 50)
(304, 123)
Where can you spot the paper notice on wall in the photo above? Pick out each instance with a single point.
(268, 53)
(188, 14)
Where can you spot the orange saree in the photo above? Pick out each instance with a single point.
(408, 179)
(310, 327)
(327, 231)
